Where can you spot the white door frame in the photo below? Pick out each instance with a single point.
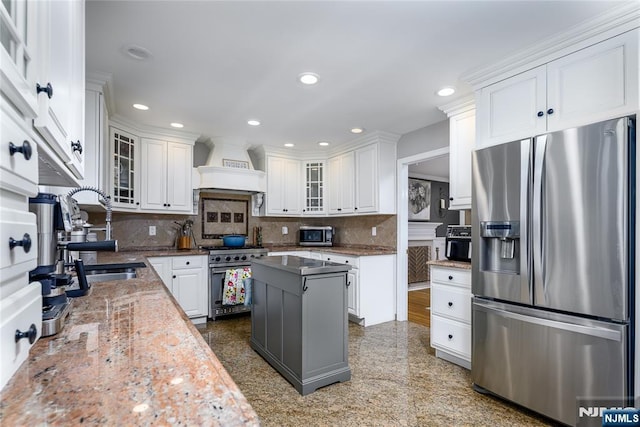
(402, 285)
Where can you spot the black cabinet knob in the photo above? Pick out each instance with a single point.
(540, 113)
(25, 149)
(188, 262)
(137, 203)
(450, 304)
(339, 209)
(168, 205)
(451, 199)
(174, 276)
(25, 242)
(76, 146)
(550, 111)
(450, 277)
(355, 209)
(31, 334)
(450, 336)
(48, 89)
(164, 204)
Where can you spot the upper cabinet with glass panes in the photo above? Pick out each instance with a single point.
(315, 183)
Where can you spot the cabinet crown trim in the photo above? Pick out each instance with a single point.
(606, 25)
(150, 132)
(459, 106)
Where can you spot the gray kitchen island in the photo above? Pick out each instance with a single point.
(299, 321)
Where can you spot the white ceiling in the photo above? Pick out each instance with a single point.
(216, 64)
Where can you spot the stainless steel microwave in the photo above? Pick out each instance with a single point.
(315, 235)
(458, 243)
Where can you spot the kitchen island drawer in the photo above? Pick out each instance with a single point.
(451, 336)
(452, 302)
(191, 261)
(454, 276)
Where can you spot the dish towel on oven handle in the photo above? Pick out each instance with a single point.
(237, 283)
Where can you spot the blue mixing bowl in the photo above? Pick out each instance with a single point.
(233, 241)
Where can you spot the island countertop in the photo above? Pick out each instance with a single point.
(301, 266)
(128, 355)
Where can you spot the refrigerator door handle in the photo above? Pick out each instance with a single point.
(525, 192)
(537, 246)
(594, 331)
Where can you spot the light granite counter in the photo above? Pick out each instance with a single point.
(346, 250)
(128, 355)
(448, 263)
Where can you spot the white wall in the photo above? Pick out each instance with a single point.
(424, 139)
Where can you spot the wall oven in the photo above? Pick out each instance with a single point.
(222, 259)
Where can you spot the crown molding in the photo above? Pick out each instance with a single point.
(609, 24)
(458, 106)
(102, 82)
(145, 131)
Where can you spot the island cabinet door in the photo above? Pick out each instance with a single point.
(324, 324)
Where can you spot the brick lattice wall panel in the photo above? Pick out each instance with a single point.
(418, 268)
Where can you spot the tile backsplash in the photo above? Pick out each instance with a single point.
(132, 229)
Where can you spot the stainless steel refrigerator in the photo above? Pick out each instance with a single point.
(553, 272)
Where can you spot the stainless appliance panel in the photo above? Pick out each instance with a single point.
(545, 361)
(499, 173)
(581, 233)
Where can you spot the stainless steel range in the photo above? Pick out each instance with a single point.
(221, 260)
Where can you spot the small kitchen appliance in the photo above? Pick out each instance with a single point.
(458, 243)
(316, 235)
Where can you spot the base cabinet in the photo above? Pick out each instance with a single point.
(187, 279)
(299, 325)
(451, 314)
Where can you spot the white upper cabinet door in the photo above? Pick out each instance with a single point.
(342, 183)
(19, 54)
(153, 174)
(179, 191)
(513, 109)
(462, 141)
(366, 160)
(61, 78)
(283, 186)
(594, 84)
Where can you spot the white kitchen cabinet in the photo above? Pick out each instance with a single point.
(187, 279)
(451, 314)
(362, 181)
(593, 84)
(124, 167)
(462, 141)
(371, 291)
(151, 171)
(60, 118)
(166, 175)
(314, 197)
(342, 183)
(283, 186)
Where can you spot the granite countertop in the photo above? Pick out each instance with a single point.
(346, 250)
(128, 355)
(302, 266)
(448, 263)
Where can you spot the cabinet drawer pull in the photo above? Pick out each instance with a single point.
(450, 277)
(540, 113)
(174, 276)
(48, 89)
(450, 304)
(76, 146)
(450, 336)
(25, 149)
(31, 334)
(188, 262)
(25, 242)
(550, 111)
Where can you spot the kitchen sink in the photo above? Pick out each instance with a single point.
(106, 272)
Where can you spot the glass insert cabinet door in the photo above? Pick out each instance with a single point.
(314, 187)
(124, 170)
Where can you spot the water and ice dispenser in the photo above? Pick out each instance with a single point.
(500, 246)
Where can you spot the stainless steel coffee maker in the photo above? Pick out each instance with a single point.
(55, 216)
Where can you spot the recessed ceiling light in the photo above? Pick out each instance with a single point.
(309, 78)
(446, 91)
(177, 125)
(140, 107)
(136, 52)
(288, 144)
(323, 143)
(357, 130)
(253, 122)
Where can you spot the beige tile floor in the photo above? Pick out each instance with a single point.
(396, 381)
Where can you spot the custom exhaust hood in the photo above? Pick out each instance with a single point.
(229, 167)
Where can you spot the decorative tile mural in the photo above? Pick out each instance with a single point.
(223, 216)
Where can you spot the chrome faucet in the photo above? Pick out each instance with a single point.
(105, 200)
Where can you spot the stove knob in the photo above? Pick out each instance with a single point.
(217, 258)
(244, 257)
(236, 258)
(253, 256)
(228, 258)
